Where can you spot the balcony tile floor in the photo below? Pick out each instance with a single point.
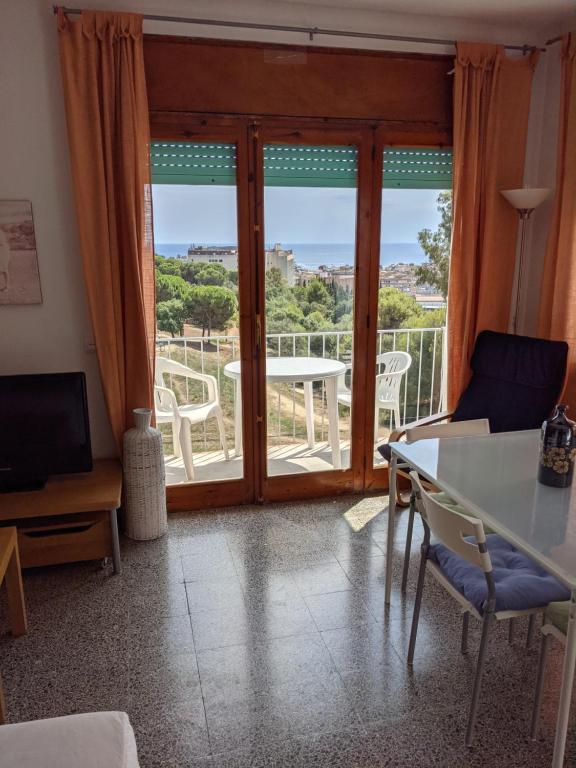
(257, 638)
(292, 459)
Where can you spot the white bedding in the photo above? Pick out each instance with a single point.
(92, 740)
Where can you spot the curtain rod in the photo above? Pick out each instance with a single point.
(310, 31)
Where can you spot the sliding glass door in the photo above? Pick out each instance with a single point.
(201, 321)
(416, 220)
(300, 305)
(310, 196)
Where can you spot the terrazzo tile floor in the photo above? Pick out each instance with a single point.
(257, 637)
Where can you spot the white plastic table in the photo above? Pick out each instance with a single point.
(294, 370)
(495, 476)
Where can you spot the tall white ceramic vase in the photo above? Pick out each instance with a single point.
(144, 479)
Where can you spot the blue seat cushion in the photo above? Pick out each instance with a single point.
(520, 583)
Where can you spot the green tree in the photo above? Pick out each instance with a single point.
(211, 307)
(168, 266)
(436, 246)
(211, 274)
(395, 307)
(318, 298)
(276, 286)
(428, 318)
(316, 321)
(284, 318)
(190, 269)
(170, 316)
(171, 287)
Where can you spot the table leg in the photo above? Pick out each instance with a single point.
(309, 408)
(115, 541)
(333, 430)
(391, 523)
(566, 690)
(238, 419)
(15, 593)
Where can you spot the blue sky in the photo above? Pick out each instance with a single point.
(198, 214)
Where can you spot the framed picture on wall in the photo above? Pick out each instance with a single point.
(19, 276)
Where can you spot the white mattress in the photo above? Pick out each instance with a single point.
(92, 740)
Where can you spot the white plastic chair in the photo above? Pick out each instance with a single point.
(391, 366)
(181, 417)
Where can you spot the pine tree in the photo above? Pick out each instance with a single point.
(436, 245)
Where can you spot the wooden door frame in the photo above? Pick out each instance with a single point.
(376, 477)
(249, 133)
(329, 482)
(203, 495)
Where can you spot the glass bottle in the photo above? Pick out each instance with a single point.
(557, 450)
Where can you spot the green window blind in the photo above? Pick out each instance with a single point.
(183, 162)
(417, 168)
(290, 165)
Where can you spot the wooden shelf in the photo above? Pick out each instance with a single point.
(68, 494)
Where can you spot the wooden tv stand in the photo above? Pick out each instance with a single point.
(73, 518)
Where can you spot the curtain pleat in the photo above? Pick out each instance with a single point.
(491, 106)
(102, 64)
(558, 293)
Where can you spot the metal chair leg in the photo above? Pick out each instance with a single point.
(464, 640)
(408, 548)
(478, 677)
(417, 604)
(539, 687)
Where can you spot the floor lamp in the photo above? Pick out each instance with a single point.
(524, 200)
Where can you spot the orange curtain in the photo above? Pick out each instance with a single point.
(102, 63)
(491, 105)
(558, 296)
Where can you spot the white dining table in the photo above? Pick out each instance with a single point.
(495, 477)
(296, 370)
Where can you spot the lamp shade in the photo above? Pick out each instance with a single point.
(526, 198)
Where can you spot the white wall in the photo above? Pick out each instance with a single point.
(34, 166)
(34, 155)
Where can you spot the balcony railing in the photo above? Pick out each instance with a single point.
(422, 390)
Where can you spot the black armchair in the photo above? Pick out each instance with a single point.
(516, 382)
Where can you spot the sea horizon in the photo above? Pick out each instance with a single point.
(314, 255)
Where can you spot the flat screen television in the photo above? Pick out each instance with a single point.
(44, 428)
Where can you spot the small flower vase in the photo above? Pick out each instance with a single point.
(557, 450)
(144, 479)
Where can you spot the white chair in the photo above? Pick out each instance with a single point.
(181, 417)
(471, 428)
(517, 587)
(391, 366)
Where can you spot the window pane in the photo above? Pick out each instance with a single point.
(310, 228)
(198, 345)
(414, 262)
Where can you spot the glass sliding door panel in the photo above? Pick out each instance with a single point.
(198, 396)
(310, 195)
(413, 281)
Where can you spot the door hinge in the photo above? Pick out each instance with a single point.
(259, 419)
(256, 227)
